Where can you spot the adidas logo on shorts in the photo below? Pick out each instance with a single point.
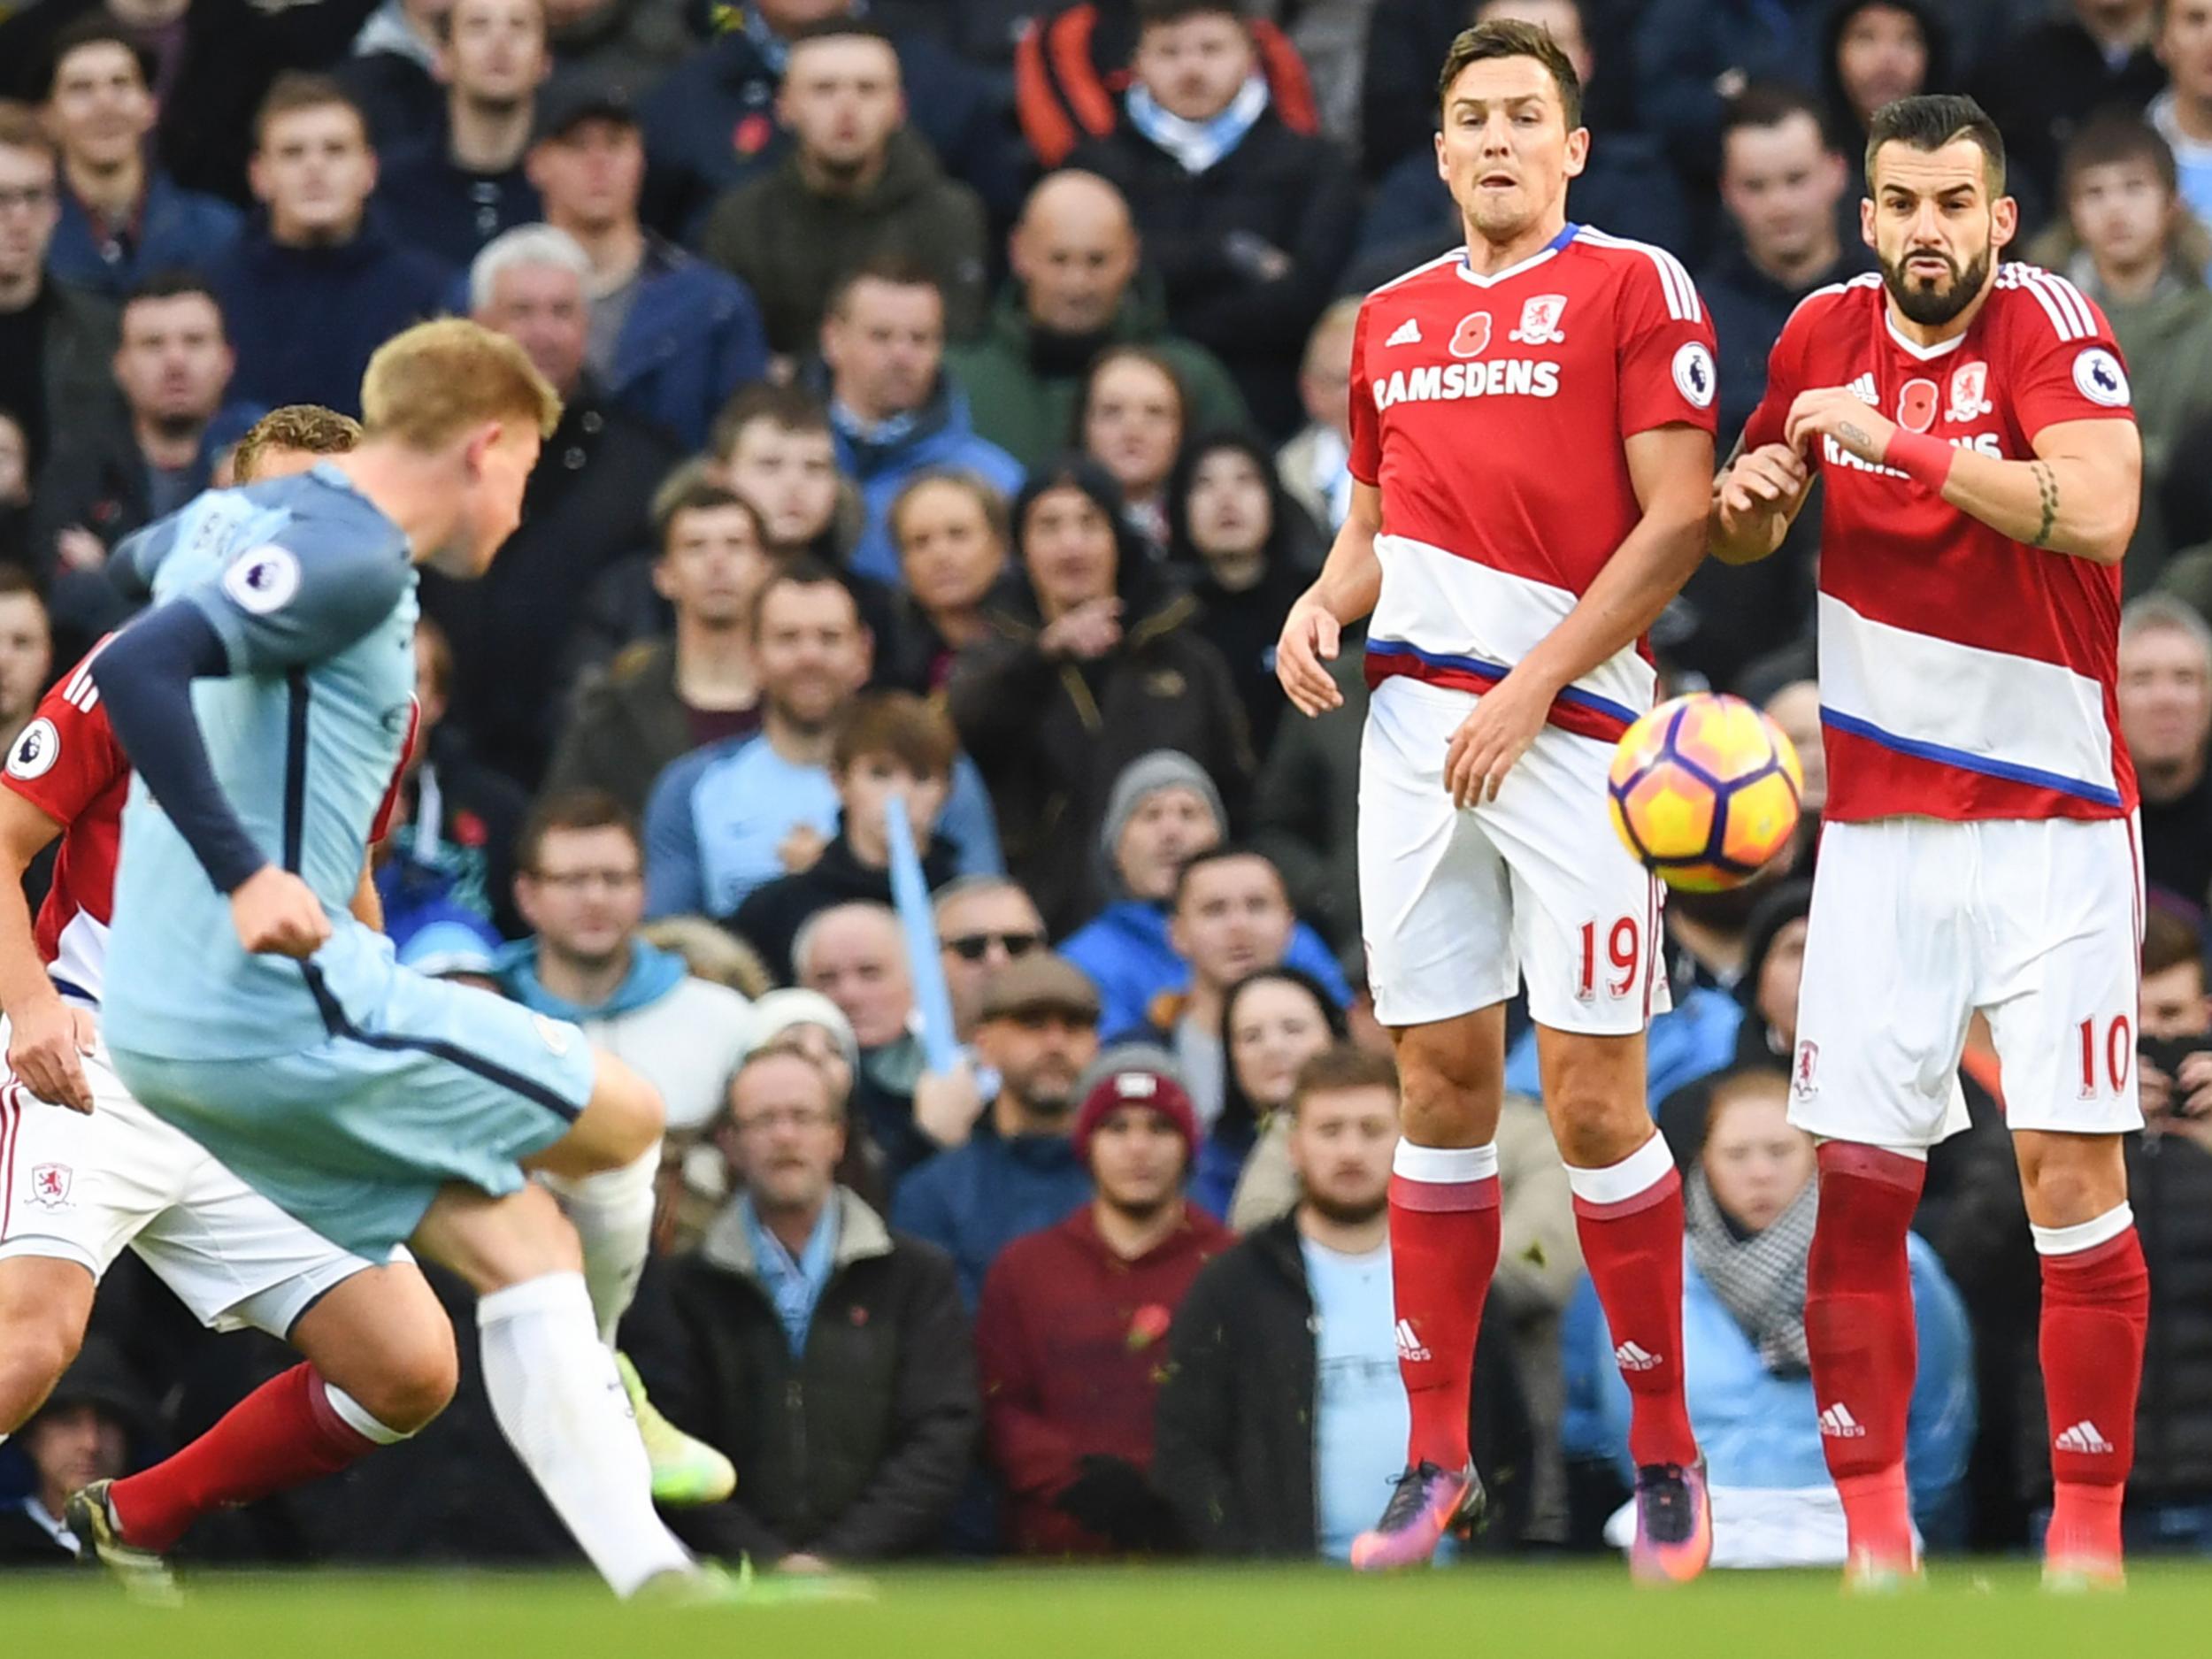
(1837, 1423)
(1629, 1357)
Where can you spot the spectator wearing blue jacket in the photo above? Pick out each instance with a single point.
(1693, 56)
(710, 123)
(672, 336)
(1018, 1172)
(736, 814)
(318, 286)
(122, 219)
(1750, 1204)
(894, 412)
(1163, 811)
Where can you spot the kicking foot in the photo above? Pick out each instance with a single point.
(686, 1471)
(1426, 1503)
(145, 1577)
(1674, 1524)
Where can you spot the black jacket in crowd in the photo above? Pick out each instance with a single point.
(1289, 191)
(585, 509)
(856, 1450)
(1233, 1452)
(772, 914)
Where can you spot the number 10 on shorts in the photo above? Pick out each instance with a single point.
(1624, 954)
(2109, 1059)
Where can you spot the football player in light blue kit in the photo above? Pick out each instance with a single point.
(264, 702)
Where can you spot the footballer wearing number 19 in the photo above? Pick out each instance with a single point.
(1531, 421)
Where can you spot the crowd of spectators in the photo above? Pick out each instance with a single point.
(955, 398)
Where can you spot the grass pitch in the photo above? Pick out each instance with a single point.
(1967, 1611)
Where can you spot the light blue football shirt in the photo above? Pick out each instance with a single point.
(312, 591)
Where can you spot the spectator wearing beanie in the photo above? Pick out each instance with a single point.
(1071, 1336)
(1163, 811)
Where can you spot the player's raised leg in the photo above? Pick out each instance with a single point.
(1628, 1214)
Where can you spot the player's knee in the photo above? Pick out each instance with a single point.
(1446, 1096)
(2071, 1179)
(415, 1382)
(629, 1115)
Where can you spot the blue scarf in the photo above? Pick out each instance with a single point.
(1198, 145)
(653, 974)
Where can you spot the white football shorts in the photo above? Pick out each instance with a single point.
(80, 1188)
(1918, 923)
(1457, 905)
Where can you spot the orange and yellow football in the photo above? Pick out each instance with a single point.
(1704, 791)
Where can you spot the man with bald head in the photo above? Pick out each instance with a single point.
(1075, 290)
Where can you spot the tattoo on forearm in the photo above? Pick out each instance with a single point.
(1850, 434)
(2046, 488)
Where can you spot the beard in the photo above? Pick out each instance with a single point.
(1343, 1213)
(1928, 307)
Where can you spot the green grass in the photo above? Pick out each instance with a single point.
(1967, 1612)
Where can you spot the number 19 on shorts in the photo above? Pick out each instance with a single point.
(1611, 956)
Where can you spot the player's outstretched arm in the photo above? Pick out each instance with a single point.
(46, 1036)
(2079, 496)
(1671, 469)
(1755, 499)
(1349, 583)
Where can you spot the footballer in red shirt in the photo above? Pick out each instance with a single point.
(1970, 419)
(1531, 421)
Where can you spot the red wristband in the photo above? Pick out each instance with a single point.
(1925, 460)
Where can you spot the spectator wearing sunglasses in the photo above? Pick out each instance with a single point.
(887, 742)
(1163, 811)
(983, 922)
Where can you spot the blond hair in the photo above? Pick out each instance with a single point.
(429, 384)
(309, 428)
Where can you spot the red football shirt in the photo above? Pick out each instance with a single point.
(1492, 413)
(1962, 674)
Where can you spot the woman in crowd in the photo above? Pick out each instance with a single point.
(1090, 662)
(1131, 421)
(1249, 551)
(1272, 1022)
(950, 531)
(1750, 1202)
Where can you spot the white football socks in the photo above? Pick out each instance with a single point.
(612, 1213)
(561, 1405)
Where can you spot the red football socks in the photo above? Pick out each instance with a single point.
(1859, 1330)
(2096, 1304)
(1629, 1217)
(283, 1434)
(1443, 1250)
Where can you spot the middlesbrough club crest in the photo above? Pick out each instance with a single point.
(49, 1185)
(1916, 405)
(1540, 320)
(1970, 394)
(1473, 336)
(1805, 1074)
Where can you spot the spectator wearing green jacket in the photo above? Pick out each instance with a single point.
(1074, 254)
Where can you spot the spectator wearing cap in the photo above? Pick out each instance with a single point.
(1038, 1029)
(672, 337)
(1072, 1337)
(1247, 220)
(856, 185)
(447, 943)
(451, 192)
(322, 281)
(1280, 1412)
(710, 124)
(122, 218)
(85, 1431)
(586, 508)
(580, 884)
(827, 1356)
(888, 743)
(1075, 291)
(1163, 811)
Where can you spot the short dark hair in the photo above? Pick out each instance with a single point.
(1152, 13)
(1338, 1067)
(803, 572)
(700, 494)
(913, 731)
(791, 407)
(2169, 942)
(896, 268)
(1220, 852)
(305, 427)
(571, 809)
(97, 29)
(21, 129)
(1769, 104)
(1509, 37)
(174, 284)
(297, 90)
(14, 580)
(1929, 120)
(2108, 140)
